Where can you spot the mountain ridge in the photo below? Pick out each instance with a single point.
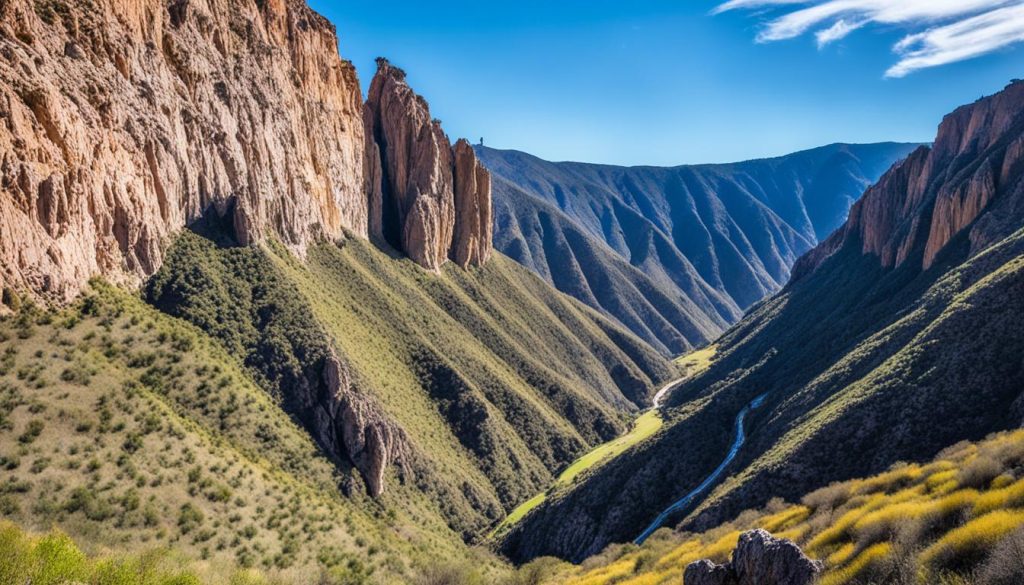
(859, 355)
(709, 240)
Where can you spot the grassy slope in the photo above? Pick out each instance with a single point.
(955, 520)
(553, 376)
(497, 379)
(132, 430)
(643, 427)
(856, 380)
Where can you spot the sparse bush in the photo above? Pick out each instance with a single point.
(963, 547)
(979, 472)
(1005, 564)
(32, 431)
(189, 518)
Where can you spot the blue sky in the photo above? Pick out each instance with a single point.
(665, 82)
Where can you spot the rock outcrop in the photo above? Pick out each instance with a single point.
(124, 121)
(473, 223)
(759, 559)
(350, 425)
(427, 199)
(920, 205)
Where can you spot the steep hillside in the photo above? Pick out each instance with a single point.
(475, 387)
(676, 254)
(134, 431)
(900, 335)
(957, 519)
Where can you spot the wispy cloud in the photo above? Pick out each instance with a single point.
(939, 31)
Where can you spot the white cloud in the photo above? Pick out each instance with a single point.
(940, 31)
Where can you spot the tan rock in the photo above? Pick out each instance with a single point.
(473, 224)
(428, 200)
(924, 202)
(418, 204)
(122, 121)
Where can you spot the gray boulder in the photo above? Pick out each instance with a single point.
(759, 559)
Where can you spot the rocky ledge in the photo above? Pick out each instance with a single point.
(923, 203)
(759, 559)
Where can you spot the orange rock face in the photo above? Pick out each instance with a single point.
(426, 198)
(126, 120)
(924, 202)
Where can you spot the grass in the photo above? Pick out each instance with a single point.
(169, 444)
(917, 523)
(643, 427)
(494, 379)
(696, 362)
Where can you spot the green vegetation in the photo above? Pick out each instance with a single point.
(494, 379)
(645, 425)
(857, 362)
(698, 361)
(956, 520)
(168, 444)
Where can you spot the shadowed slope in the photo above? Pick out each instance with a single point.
(888, 346)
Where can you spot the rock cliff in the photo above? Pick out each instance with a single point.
(920, 205)
(125, 120)
(426, 199)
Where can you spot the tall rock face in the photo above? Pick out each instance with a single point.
(473, 223)
(923, 203)
(124, 121)
(426, 199)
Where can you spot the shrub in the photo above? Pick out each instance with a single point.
(966, 545)
(979, 472)
(868, 560)
(1005, 564)
(84, 500)
(190, 517)
(32, 432)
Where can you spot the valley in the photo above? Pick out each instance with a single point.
(264, 322)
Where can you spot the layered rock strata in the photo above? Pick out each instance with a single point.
(125, 121)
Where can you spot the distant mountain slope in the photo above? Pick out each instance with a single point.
(676, 254)
(900, 335)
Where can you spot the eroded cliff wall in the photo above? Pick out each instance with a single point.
(124, 121)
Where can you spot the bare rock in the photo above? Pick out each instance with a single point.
(759, 559)
(351, 425)
(123, 122)
(473, 224)
(426, 199)
(924, 202)
(704, 572)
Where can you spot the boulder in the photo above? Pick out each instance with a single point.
(758, 559)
